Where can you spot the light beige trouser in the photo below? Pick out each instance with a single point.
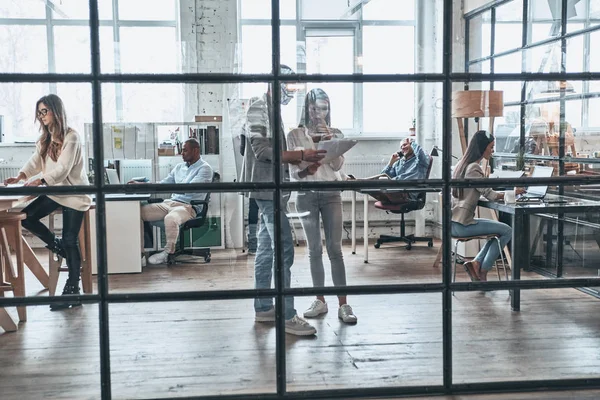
(173, 213)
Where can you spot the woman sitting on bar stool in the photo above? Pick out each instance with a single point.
(464, 203)
(58, 157)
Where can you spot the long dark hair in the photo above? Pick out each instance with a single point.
(52, 145)
(480, 141)
(311, 99)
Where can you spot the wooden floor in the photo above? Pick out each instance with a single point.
(181, 349)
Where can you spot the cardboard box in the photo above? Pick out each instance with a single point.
(166, 151)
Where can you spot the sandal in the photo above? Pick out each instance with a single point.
(471, 271)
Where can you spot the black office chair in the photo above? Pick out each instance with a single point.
(200, 220)
(403, 208)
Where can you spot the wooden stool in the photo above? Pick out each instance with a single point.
(480, 237)
(11, 280)
(85, 247)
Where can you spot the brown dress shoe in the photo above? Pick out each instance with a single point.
(471, 271)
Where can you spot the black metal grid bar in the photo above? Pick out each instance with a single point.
(447, 77)
(446, 214)
(277, 217)
(105, 386)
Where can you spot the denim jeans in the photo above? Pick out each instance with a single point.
(264, 261)
(326, 206)
(488, 255)
(252, 223)
(72, 219)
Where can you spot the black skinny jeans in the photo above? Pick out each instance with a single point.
(72, 219)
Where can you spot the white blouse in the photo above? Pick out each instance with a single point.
(68, 170)
(300, 139)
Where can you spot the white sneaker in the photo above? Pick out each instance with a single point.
(265, 316)
(316, 308)
(159, 258)
(143, 261)
(345, 314)
(299, 327)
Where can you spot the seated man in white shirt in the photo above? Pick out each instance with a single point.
(178, 209)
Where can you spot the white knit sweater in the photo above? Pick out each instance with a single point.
(68, 170)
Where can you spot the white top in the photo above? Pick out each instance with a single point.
(300, 139)
(68, 170)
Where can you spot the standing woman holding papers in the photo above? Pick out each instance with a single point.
(464, 203)
(320, 204)
(57, 161)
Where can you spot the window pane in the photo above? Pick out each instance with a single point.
(261, 9)
(24, 49)
(508, 64)
(80, 9)
(17, 106)
(575, 52)
(396, 58)
(388, 10)
(22, 9)
(594, 56)
(256, 9)
(149, 50)
(330, 54)
(256, 49)
(72, 49)
(341, 96)
(388, 107)
(147, 10)
(146, 102)
(508, 36)
(480, 36)
(329, 10)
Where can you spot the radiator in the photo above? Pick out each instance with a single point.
(135, 168)
(362, 167)
(8, 171)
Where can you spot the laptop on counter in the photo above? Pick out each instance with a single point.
(537, 192)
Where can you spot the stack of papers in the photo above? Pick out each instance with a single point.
(335, 148)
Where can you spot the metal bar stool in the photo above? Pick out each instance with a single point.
(12, 280)
(480, 237)
(85, 247)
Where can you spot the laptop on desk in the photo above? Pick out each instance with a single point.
(537, 192)
(113, 177)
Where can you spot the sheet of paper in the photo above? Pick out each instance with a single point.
(335, 148)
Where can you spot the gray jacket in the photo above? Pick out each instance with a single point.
(258, 154)
(463, 209)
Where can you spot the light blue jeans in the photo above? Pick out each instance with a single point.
(326, 206)
(264, 261)
(488, 255)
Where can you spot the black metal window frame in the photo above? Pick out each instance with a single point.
(445, 287)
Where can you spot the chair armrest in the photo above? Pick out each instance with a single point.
(198, 202)
(155, 200)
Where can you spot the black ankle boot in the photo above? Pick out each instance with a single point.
(70, 289)
(57, 248)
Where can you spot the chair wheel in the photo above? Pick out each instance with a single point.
(408, 247)
(430, 244)
(377, 245)
(207, 259)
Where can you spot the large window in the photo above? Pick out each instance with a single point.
(54, 37)
(335, 38)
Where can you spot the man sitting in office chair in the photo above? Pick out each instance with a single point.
(411, 162)
(177, 210)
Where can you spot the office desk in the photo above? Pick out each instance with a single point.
(123, 233)
(29, 257)
(366, 197)
(520, 213)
